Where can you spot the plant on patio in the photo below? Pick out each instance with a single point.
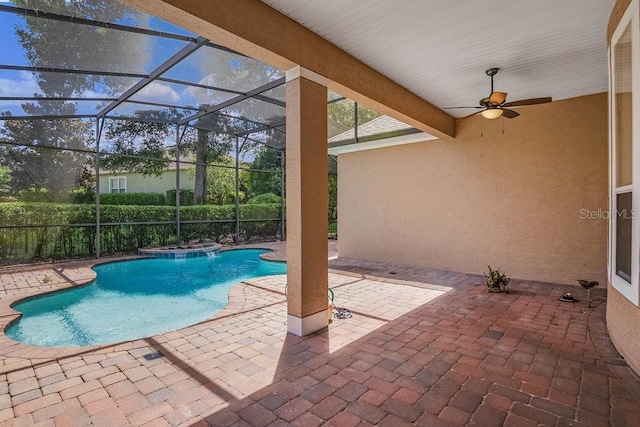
(496, 281)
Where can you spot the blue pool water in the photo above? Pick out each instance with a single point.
(137, 299)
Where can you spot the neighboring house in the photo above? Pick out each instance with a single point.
(335, 128)
(383, 131)
(133, 182)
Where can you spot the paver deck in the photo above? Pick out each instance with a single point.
(424, 347)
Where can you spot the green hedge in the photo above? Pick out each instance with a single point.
(254, 229)
(137, 199)
(222, 223)
(263, 198)
(71, 227)
(46, 242)
(134, 199)
(186, 197)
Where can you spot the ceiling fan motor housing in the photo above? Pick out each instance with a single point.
(492, 71)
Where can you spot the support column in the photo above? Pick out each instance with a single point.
(307, 202)
(178, 228)
(237, 199)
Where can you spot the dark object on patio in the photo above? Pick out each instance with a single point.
(568, 298)
(496, 281)
(152, 356)
(338, 312)
(588, 284)
(342, 313)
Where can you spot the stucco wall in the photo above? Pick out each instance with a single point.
(138, 183)
(623, 324)
(510, 200)
(623, 318)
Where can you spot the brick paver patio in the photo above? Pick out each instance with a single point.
(424, 347)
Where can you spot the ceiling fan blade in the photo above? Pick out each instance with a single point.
(509, 114)
(532, 101)
(452, 108)
(497, 97)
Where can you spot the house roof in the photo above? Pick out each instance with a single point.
(378, 126)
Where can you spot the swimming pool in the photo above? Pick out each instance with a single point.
(136, 299)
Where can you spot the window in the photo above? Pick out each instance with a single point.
(625, 144)
(118, 184)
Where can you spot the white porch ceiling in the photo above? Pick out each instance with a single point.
(440, 49)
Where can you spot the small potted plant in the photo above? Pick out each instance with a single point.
(496, 281)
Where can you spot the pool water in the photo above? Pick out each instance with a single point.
(136, 299)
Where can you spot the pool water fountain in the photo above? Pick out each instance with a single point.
(181, 252)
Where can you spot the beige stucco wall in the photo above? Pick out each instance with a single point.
(623, 324)
(510, 200)
(139, 183)
(623, 318)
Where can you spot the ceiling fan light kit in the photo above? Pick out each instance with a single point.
(495, 104)
(492, 113)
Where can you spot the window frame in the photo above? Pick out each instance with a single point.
(630, 291)
(117, 179)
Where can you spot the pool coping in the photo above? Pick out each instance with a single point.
(16, 349)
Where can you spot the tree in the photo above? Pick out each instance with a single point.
(267, 159)
(37, 159)
(42, 162)
(209, 142)
(137, 144)
(229, 70)
(333, 198)
(53, 43)
(343, 113)
(5, 181)
(221, 183)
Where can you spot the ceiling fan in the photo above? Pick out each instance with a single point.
(495, 104)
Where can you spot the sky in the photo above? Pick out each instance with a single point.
(206, 66)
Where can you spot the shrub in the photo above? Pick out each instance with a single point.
(267, 228)
(133, 199)
(186, 197)
(65, 230)
(83, 195)
(496, 281)
(265, 198)
(33, 194)
(221, 222)
(230, 198)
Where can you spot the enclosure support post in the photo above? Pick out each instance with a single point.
(307, 202)
(237, 189)
(178, 237)
(283, 228)
(99, 125)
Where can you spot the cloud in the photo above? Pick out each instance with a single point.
(207, 96)
(90, 94)
(22, 86)
(25, 85)
(158, 92)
